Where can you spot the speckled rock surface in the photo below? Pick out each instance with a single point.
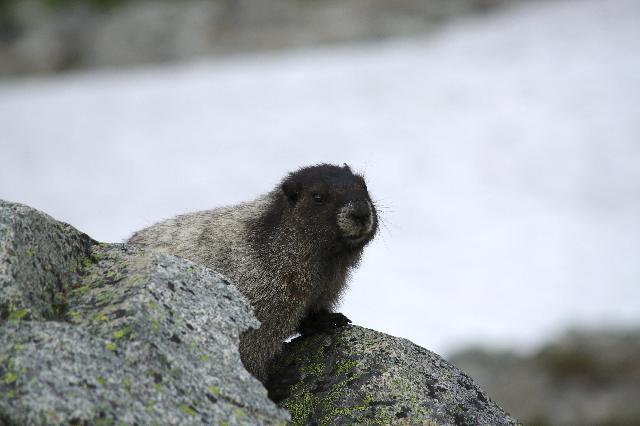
(38, 258)
(104, 334)
(360, 376)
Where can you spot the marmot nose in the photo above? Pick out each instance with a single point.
(360, 212)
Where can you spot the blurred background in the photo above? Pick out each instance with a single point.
(501, 140)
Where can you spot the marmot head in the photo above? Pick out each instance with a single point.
(331, 206)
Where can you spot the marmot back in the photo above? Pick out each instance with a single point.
(289, 252)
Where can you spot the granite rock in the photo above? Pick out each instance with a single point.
(95, 333)
(359, 376)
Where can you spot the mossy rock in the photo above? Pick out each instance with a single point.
(359, 376)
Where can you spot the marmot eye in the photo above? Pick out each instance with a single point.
(318, 198)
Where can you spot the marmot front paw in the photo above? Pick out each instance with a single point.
(321, 322)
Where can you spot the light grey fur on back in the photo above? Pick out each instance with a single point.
(279, 285)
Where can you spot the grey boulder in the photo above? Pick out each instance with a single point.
(354, 375)
(96, 333)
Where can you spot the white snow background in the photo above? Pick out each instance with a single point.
(504, 151)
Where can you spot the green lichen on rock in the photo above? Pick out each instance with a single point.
(214, 390)
(123, 332)
(300, 404)
(345, 366)
(366, 377)
(9, 377)
(188, 410)
(19, 314)
(325, 407)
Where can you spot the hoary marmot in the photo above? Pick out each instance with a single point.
(289, 252)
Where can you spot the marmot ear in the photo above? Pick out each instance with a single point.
(292, 190)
